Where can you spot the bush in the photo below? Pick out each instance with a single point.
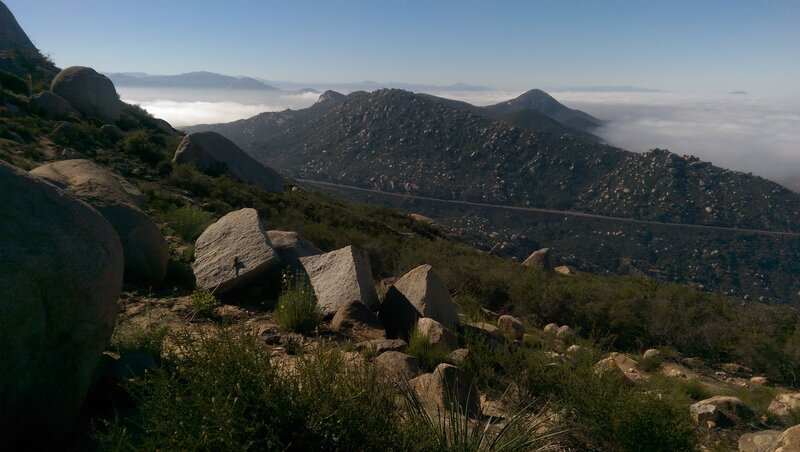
(13, 83)
(221, 392)
(296, 309)
(204, 302)
(144, 146)
(188, 221)
(428, 355)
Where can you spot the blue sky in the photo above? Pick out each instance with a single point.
(711, 46)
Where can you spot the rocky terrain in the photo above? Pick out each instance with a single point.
(165, 292)
(399, 142)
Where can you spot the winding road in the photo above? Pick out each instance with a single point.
(553, 211)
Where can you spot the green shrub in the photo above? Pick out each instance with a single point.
(188, 221)
(13, 83)
(221, 392)
(204, 303)
(453, 429)
(144, 146)
(296, 309)
(650, 365)
(428, 355)
(133, 336)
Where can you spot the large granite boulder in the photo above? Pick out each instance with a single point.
(290, 247)
(89, 92)
(146, 250)
(61, 267)
(397, 314)
(233, 253)
(49, 104)
(426, 290)
(213, 154)
(447, 388)
(722, 411)
(339, 277)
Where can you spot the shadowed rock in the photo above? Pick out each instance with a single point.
(722, 411)
(437, 334)
(397, 314)
(291, 246)
(61, 267)
(356, 319)
(212, 153)
(447, 388)
(397, 367)
(49, 104)
(89, 92)
(145, 248)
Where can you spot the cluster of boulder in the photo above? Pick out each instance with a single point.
(80, 90)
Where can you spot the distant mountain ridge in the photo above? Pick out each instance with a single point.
(397, 141)
(190, 80)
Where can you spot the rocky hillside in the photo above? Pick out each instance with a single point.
(397, 141)
(167, 292)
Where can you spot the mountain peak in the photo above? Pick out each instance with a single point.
(329, 96)
(12, 36)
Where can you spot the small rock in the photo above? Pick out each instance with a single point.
(358, 320)
(437, 334)
(458, 357)
(551, 329)
(378, 346)
(486, 330)
(783, 405)
(541, 259)
(652, 353)
(511, 326)
(398, 367)
(724, 411)
(564, 332)
(563, 270)
(758, 441)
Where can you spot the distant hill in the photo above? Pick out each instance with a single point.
(544, 114)
(18, 55)
(397, 141)
(193, 80)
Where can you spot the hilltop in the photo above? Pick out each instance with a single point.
(402, 143)
(190, 80)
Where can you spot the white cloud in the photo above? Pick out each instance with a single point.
(738, 131)
(181, 107)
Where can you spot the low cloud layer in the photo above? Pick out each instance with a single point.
(189, 107)
(738, 131)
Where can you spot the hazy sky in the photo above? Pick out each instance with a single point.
(709, 46)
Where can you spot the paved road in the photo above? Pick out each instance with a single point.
(553, 211)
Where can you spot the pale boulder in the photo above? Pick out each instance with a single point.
(339, 277)
(426, 290)
(233, 253)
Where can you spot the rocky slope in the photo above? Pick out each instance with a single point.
(397, 141)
